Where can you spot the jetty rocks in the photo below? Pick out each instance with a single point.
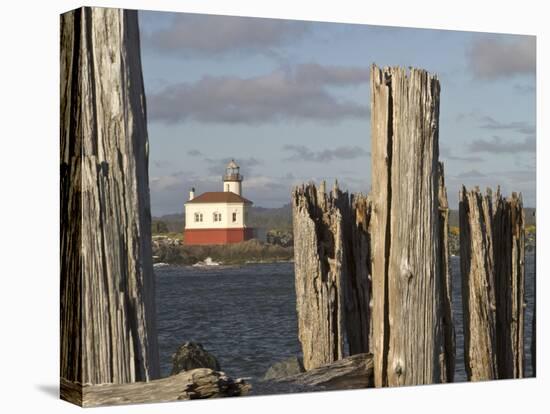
(192, 355)
(290, 366)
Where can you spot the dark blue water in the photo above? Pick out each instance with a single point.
(246, 315)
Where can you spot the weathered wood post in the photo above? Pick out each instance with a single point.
(478, 286)
(492, 252)
(319, 263)
(534, 329)
(446, 289)
(509, 260)
(534, 320)
(407, 259)
(108, 332)
(357, 280)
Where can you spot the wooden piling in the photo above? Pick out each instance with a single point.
(319, 266)
(534, 331)
(509, 260)
(492, 253)
(478, 286)
(407, 258)
(534, 320)
(108, 328)
(446, 285)
(332, 273)
(358, 278)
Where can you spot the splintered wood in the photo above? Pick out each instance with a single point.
(319, 266)
(412, 326)
(108, 327)
(332, 258)
(492, 263)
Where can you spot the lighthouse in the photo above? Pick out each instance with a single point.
(218, 217)
(232, 180)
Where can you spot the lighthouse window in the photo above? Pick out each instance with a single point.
(196, 217)
(234, 217)
(217, 216)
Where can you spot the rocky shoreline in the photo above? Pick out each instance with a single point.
(454, 242)
(171, 251)
(351, 372)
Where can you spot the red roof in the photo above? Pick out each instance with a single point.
(220, 197)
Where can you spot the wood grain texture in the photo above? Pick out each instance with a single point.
(534, 321)
(353, 372)
(478, 285)
(509, 259)
(492, 249)
(407, 268)
(534, 332)
(188, 385)
(357, 280)
(332, 273)
(319, 266)
(446, 284)
(108, 332)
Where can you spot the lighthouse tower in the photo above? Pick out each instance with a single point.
(232, 180)
(219, 217)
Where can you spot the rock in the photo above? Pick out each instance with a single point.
(356, 371)
(284, 238)
(285, 368)
(192, 355)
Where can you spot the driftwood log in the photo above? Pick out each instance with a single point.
(187, 385)
(408, 264)
(319, 265)
(352, 372)
(108, 332)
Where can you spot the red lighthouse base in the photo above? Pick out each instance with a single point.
(216, 236)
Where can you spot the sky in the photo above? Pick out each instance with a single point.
(289, 101)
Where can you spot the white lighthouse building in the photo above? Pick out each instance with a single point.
(218, 217)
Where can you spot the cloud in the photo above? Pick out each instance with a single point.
(525, 89)
(299, 94)
(522, 127)
(195, 153)
(216, 166)
(470, 174)
(497, 145)
(303, 153)
(170, 181)
(447, 154)
(169, 192)
(162, 163)
(493, 58)
(215, 35)
(509, 180)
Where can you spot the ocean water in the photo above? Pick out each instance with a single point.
(246, 316)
